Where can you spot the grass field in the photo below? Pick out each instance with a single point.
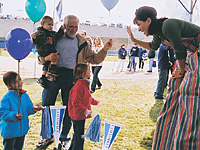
(128, 102)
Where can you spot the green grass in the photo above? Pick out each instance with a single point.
(128, 102)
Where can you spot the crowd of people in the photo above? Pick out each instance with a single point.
(68, 57)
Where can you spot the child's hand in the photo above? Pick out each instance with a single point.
(33, 36)
(90, 115)
(19, 116)
(38, 107)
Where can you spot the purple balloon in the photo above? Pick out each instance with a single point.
(109, 4)
(18, 43)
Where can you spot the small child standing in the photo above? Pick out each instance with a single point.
(45, 40)
(14, 112)
(79, 105)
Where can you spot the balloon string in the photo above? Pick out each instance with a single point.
(18, 89)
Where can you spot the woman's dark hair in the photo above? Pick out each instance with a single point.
(9, 78)
(143, 13)
(79, 70)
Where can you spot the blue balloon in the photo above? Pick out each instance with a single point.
(35, 9)
(18, 43)
(109, 4)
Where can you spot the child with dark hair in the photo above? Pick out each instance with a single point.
(79, 105)
(45, 40)
(15, 107)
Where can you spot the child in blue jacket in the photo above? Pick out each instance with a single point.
(15, 107)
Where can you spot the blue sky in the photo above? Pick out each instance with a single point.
(94, 11)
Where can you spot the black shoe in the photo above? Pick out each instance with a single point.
(159, 97)
(149, 71)
(42, 81)
(44, 143)
(91, 91)
(98, 88)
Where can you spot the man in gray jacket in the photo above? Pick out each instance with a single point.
(72, 49)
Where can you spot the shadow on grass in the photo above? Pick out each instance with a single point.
(155, 110)
(154, 113)
(147, 141)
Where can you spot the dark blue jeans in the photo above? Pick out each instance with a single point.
(78, 139)
(64, 83)
(132, 63)
(95, 81)
(14, 144)
(162, 82)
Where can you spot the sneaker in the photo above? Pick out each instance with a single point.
(44, 142)
(98, 88)
(149, 71)
(91, 91)
(159, 97)
(65, 145)
(42, 81)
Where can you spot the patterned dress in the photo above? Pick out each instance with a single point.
(177, 126)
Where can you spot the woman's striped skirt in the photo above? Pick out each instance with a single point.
(178, 124)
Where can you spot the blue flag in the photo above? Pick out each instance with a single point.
(59, 9)
(111, 130)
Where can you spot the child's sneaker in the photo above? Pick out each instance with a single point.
(42, 81)
(44, 142)
(53, 70)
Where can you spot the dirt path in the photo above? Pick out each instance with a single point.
(29, 68)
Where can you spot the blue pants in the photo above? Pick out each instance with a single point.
(78, 139)
(14, 143)
(95, 81)
(132, 63)
(151, 63)
(162, 82)
(64, 83)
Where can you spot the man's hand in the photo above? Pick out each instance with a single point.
(19, 116)
(38, 107)
(130, 33)
(53, 57)
(108, 45)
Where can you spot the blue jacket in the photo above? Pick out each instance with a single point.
(122, 53)
(9, 124)
(163, 57)
(141, 52)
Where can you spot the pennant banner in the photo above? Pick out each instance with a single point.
(111, 130)
(59, 9)
(57, 114)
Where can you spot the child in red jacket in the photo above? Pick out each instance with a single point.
(79, 105)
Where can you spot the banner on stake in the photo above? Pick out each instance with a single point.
(111, 130)
(57, 114)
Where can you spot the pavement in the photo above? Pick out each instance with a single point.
(29, 68)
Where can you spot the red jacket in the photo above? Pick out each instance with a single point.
(80, 100)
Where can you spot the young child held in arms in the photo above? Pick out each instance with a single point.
(45, 40)
(79, 105)
(14, 112)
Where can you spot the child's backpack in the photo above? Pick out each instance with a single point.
(144, 56)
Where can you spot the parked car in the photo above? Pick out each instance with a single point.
(87, 23)
(119, 25)
(112, 25)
